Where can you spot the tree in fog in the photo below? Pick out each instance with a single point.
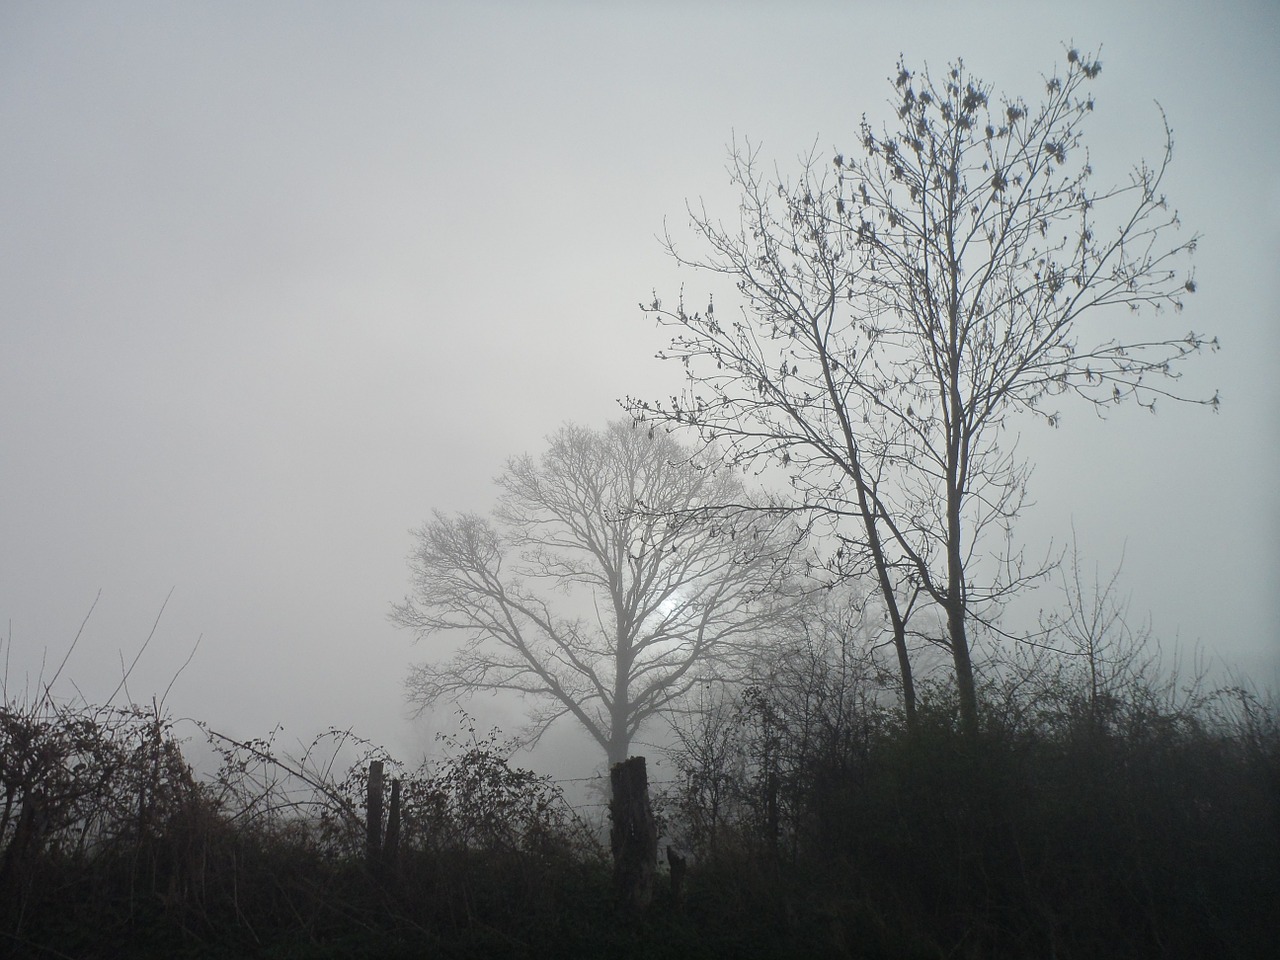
(899, 306)
(603, 587)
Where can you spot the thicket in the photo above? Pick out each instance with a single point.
(1110, 808)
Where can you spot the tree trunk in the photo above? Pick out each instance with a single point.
(866, 503)
(957, 603)
(633, 838)
(904, 669)
(773, 823)
(965, 684)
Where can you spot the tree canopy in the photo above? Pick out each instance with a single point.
(601, 587)
(899, 305)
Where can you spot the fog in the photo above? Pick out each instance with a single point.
(279, 280)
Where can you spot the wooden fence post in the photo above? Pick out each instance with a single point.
(634, 837)
(391, 845)
(678, 865)
(373, 815)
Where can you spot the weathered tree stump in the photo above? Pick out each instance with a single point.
(633, 838)
(382, 846)
(373, 816)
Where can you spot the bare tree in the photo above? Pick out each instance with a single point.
(900, 306)
(604, 587)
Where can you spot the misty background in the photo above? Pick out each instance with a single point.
(277, 280)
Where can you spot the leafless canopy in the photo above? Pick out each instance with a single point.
(898, 306)
(603, 587)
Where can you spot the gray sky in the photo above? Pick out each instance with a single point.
(277, 280)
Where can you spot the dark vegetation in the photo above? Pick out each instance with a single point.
(1108, 809)
(1136, 818)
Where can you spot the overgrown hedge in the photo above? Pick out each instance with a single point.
(1139, 818)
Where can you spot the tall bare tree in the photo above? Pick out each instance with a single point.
(604, 587)
(899, 306)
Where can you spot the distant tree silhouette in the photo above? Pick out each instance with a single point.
(605, 585)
